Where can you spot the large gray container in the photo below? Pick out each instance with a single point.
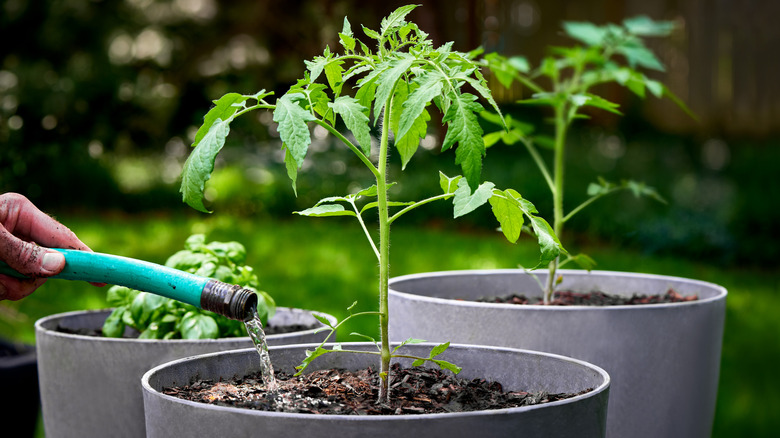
(91, 386)
(583, 416)
(663, 359)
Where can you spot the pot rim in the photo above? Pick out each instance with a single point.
(721, 291)
(604, 386)
(40, 325)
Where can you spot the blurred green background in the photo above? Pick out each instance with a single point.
(99, 101)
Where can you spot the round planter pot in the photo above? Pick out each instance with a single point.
(663, 359)
(90, 385)
(581, 416)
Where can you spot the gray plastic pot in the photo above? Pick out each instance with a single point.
(91, 386)
(582, 416)
(663, 359)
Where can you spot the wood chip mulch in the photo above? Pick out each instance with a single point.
(568, 298)
(415, 390)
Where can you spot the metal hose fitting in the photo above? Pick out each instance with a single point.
(229, 300)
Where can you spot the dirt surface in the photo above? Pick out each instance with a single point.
(568, 298)
(415, 390)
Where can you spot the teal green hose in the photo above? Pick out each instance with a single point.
(207, 293)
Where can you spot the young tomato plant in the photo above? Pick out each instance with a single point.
(157, 317)
(609, 54)
(397, 81)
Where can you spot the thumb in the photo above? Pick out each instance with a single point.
(28, 258)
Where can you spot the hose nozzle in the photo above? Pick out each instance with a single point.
(229, 300)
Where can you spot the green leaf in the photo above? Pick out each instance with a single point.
(198, 326)
(643, 25)
(144, 307)
(345, 36)
(223, 109)
(600, 102)
(396, 18)
(463, 128)
(354, 116)
(114, 327)
(199, 165)
(316, 67)
(465, 202)
(293, 126)
(507, 210)
(548, 242)
(430, 86)
(638, 54)
(409, 341)
(322, 319)
(588, 33)
(120, 295)
(334, 73)
(443, 364)
(439, 349)
(292, 168)
(448, 185)
(326, 210)
(371, 33)
(310, 356)
(387, 80)
(584, 261)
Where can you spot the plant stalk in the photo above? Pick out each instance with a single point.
(558, 174)
(384, 257)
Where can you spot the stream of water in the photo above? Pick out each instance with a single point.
(255, 329)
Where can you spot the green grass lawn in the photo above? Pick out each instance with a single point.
(325, 264)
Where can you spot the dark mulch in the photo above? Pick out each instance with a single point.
(415, 390)
(568, 298)
(269, 330)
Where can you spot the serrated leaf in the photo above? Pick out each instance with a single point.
(465, 201)
(354, 116)
(643, 25)
(600, 102)
(588, 33)
(334, 73)
(310, 356)
(448, 185)
(326, 210)
(509, 215)
(292, 168)
(200, 164)
(481, 86)
(387, 80)
(548, 242)
(463, 128)
(396, 18)
(322, 319)
(409, 341)
(371, 33)
(439, 349)
(345, 36)
(640, 55)
(293, 126)
(429, 86)
(316, 67)
(584, 261)
(223, 109)
(443, 364)
(320, 102)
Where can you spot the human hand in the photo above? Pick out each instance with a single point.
(23, 227)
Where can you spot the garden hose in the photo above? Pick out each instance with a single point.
(229, 300)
